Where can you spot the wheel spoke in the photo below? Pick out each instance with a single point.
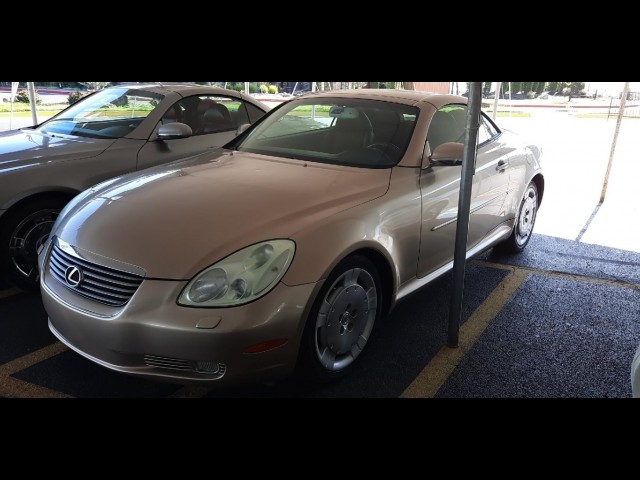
(327, 358)
(17, 243)
(358, 347)
(351, 277)
(323, 314)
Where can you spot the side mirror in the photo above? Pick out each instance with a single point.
(242, 128)
(447, 154)
(171, 131)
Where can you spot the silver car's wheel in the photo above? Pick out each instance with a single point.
(527, 215)
(23, 232)
(525, 221)
(341, 322)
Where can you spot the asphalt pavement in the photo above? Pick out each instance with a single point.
(538, 324)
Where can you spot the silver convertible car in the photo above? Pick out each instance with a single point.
(113, 131)
(280, 251)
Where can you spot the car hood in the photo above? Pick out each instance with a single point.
(175, 220)
(22, 148)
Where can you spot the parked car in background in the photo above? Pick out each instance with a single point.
(110, 132)
(282, 249)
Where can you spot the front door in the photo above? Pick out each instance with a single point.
(440, 190)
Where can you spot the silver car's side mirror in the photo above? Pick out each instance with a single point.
(242, 128)
(447, 154)
(174, 130)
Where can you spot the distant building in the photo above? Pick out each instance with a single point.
(435, 87)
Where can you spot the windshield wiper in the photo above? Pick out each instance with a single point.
(62, 120)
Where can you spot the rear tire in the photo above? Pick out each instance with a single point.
(525, 221)
(341, 321)
(23, 231)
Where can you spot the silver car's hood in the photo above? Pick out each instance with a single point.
(175, 220)
(20, 148)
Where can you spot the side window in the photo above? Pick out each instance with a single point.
(240, 114)
(209, 114)
(487, 130)
(447, 125)
(174, 114)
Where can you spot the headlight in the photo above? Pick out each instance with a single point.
(240, 278)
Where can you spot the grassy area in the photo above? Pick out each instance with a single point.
(44, 113)
(509, 114)
(24, 109)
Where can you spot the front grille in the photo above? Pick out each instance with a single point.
(101, 284)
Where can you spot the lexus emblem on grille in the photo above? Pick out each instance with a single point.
(73, 276)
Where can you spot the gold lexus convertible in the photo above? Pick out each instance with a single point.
(280, 251)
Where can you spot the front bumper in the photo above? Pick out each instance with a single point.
(153, 337)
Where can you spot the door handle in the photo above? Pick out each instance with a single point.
(502, 165)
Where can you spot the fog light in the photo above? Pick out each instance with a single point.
(208, 367)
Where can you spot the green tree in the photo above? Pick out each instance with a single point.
(95, 85)
(576, 87)
(539, 87)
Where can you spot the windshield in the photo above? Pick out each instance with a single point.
(109, 113)
(353, 132)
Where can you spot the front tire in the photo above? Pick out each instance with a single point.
(22, 232)
(341, 321)
(525, 221)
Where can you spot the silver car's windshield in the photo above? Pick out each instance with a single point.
(109, 113)
(353, 132)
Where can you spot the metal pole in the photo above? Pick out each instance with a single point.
(464, 208)
(495, 101)
(313, 86)
(14, 91)
(32, 101)
(623, 101)
(246, 88)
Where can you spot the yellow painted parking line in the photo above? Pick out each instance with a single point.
(442, 365)
(10, 292)
(433, 376)
(11, 387)
(16, 388)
